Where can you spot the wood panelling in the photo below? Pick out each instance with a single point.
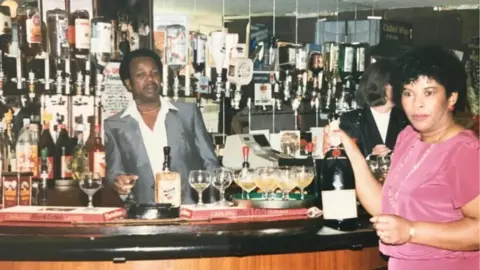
(335, 260)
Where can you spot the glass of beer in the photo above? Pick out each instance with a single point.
(266, 180)
(245, 179)
(286, 180)
(304, 176)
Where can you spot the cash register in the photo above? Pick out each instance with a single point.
(261, 153)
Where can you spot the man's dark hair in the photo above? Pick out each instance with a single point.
(128, 58)
(437, 63)
(371, 90)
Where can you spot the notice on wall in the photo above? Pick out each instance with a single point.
(115, 97)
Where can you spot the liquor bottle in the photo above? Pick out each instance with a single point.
(199, 43)
(62, 155)
(57, 25)
(101, 41)
(29, 28)
(45, 176)
(27, 154)
(5, 27)
(338, 184)
(46, 144)
(80, 155)
(167, 183)
(79, 33)
(245, 152)
(315, 186)
(97, 154)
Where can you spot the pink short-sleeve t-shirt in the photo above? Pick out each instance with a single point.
(430, 183)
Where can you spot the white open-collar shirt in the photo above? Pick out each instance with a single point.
(155, 139)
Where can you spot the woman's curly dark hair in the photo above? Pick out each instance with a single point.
(434, 62)
(371, 89)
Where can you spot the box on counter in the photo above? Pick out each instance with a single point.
(16, 189)
(61, 214)
(210, 212)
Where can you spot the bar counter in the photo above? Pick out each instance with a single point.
(177, 244)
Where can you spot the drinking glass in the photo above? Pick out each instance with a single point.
(129, 199)
(304, 176)
(384, 166)
(222, 178)
(199, 180)
(245, 178)
(90, 183)
(286, 180)
(266, 180)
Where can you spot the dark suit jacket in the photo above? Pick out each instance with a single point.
(191, 149)
(361, 125)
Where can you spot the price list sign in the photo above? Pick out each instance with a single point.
(115, 97)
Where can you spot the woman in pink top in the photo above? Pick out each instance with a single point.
(427, 212)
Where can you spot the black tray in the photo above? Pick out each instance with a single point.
(153, 211)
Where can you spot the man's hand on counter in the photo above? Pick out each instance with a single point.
(124, 183)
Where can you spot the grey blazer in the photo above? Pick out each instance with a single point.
(191, 149)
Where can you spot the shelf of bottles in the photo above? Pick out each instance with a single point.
(53, 61)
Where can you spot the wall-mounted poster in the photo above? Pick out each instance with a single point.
(115, 97)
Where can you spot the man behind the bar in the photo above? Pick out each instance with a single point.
(135, 137)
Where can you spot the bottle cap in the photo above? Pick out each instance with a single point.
(166, 150)
(245, 151)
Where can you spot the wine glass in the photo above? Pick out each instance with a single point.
(304, 176)
(286, 180)
(199, 180)
(245, 178)
(384, 166)
(129, 199)
(266, 180)
(222, 178)
(90, 183)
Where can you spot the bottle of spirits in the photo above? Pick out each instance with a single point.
(199, 43)
(97, 154)
(167, 183)
(29, 29)
(101, 41)
(57, 25)
(46, 145)
(45, 176)
(338, 184)
(245, 151)
(62, 155)
(79, 33)
(315, 186)
(80, 156)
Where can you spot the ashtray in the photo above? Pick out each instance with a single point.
(153, 211)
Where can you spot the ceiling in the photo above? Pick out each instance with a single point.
(241, 7)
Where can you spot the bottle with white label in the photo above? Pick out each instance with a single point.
(29, 29)
(168, 187)
(79, 33)
(57, 25)
(101, 41)
(339, 201)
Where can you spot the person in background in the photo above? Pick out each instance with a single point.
(378, 122)
(135, 137)
(427, 212)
